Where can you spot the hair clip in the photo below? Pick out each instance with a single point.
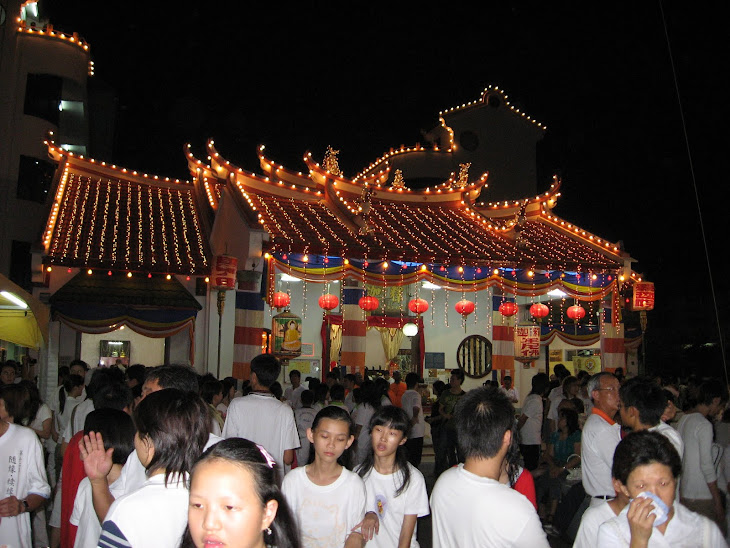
(270, 462)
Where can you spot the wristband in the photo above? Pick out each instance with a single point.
(26, 507)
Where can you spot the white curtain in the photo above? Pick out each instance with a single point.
(391, 337)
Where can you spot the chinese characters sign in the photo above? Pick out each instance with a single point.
(527, 342)
(643, 296)
(224, 272)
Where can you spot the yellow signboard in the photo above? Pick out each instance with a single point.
(590, 364)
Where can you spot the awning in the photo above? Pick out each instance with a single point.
(23, 318)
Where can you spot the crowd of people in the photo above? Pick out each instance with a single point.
(162, 456)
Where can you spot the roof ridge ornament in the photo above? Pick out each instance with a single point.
(398, 181)
(330, 162)
(462, 180)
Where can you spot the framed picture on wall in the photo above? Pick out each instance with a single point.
(114, 352)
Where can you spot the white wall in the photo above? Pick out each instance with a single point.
(144, 350)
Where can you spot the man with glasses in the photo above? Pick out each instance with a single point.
(601, 435)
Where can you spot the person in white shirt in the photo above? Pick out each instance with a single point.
(512, 394)
(469, 506)
(642, 405)
(263, 419)
(396, 490)
(304, 418)
(601, 435)
(698, 487)
(293, 393)
(647, 465)
(117, 430)
(530, 422)
(411, 403)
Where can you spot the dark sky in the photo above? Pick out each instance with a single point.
(364, 77)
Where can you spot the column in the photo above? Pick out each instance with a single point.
(354, 328)
(249, 324)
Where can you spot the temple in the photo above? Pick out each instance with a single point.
(432, 257)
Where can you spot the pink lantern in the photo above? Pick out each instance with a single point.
(418, 306)
(576, 312)
(328, 301)
(464, 307)
(508, 308)
(539, 311)
(368, 304)
(280, 300)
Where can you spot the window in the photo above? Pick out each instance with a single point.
(43, 97)
(34, 179)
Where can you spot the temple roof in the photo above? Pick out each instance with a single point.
(323, 213)
(108, 217)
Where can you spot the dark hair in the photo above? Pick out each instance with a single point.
(350, 377)
(209, 389)
(267, 369)
(113, 396)
(117, 430)
(306, 397)
(642, 448)
(708, 391)
(335, 413)
(276, 390)
(540, 384)
(337, 393)
(82, 363)
(482, 416)
(248, 455)
(369, 394)
(568, 382)
(72, 381)
(513, 457)
(561, 371)
(647, 397)
(295, 373)
(332, 375)
(381, 387)
(320, 392)
(136, 372)
(438, 387)
(313, 383)
(101, 378)
(571, 419)
(578, 404)
(394, 418)
(180, 377)
(34, 399)
(412, 379)
(177, 423)
(459, 373)
(17, 401)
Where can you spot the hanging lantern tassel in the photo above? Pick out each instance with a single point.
(464, 307)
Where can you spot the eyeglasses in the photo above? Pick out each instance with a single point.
(610, 389)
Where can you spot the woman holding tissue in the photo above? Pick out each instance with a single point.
(647, 466)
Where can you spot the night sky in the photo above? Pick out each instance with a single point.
(364, 77)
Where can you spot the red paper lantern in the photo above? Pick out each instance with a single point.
(368, 304)
(418, 306)
(328, 301)
(508, 308)
(281, 300)
(464, 307)
(576, 312)
(539, 310)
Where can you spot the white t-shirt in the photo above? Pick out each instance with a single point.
(62, 419)
(79, 418)
(469, 511)
(671, 434)
(263, 419)
(698, 468)
(598, 443)
(390, 509)
(44, 413)
(21, 474)
(512, 394)
(685, 530)
(593, 517)
(531, 431)
(361, 416)
(84, 516)
(325, 513)
(154, 515)
(304, 417)
(409, 400)
(293, 396)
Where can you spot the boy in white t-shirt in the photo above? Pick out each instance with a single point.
(470, 507)
(411, 403)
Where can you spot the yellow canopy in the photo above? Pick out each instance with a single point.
(23, 318)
